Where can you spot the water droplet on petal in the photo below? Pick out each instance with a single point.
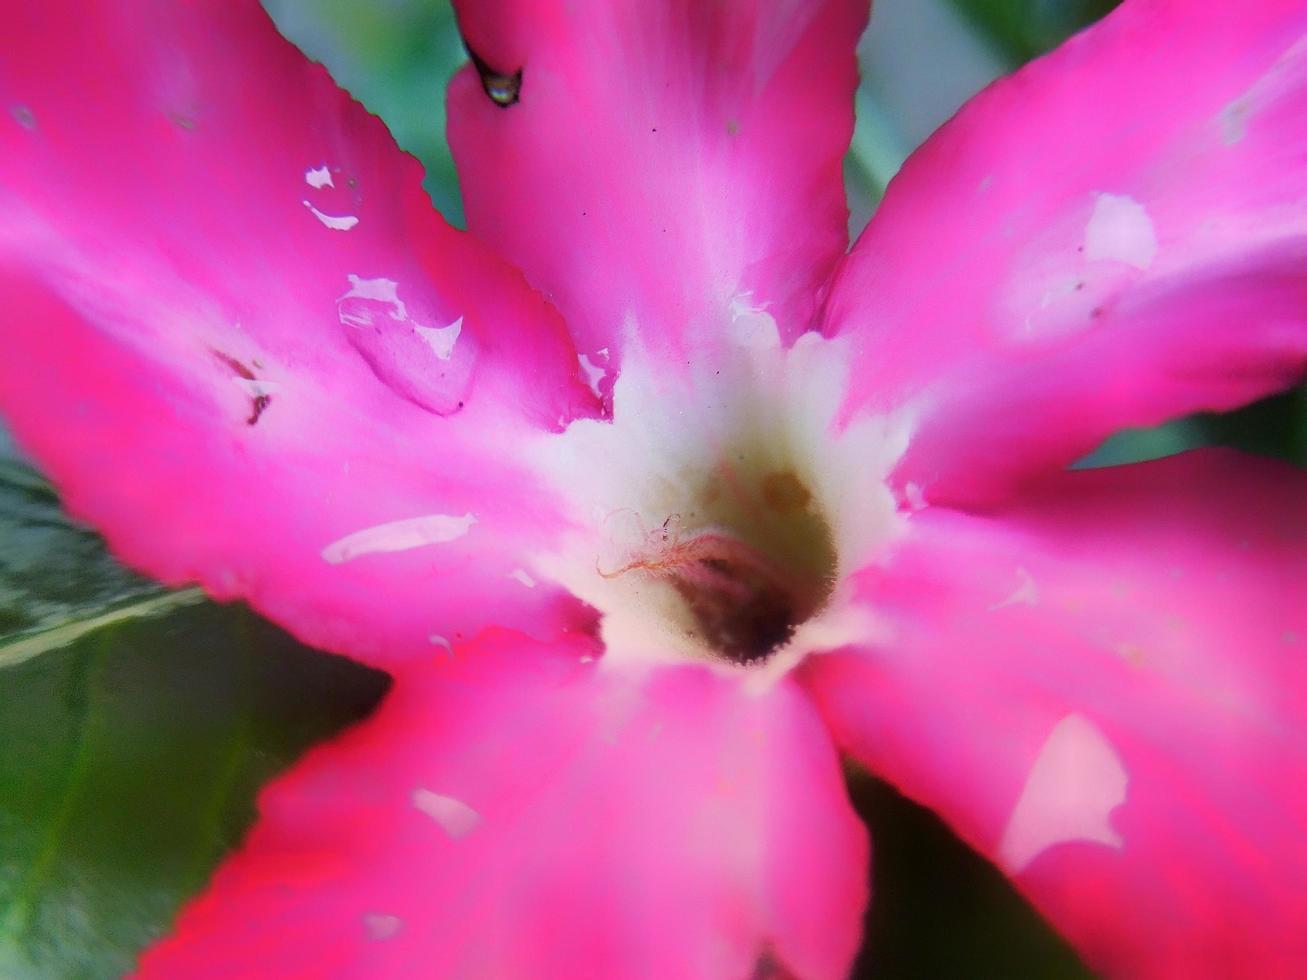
(334, 204)
(504, 89)
(382, 927)
(430, 366)
(594, 373)
(455, 817)
(523, 577)
(403, 535)
(1120, 230)
(1076, 782)
(319, 177)
(336, 222)
(441, 339)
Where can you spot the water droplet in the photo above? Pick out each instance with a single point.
(318, 177)
(1076, 782)
(503, 89)
(403, 535)
(24, 116)
(441, 340)
(455, 817)
(382, 927)
(333, 202)
(522, 576)
(1120, 230)
(594, 373)
(430, 366)
(336, 222)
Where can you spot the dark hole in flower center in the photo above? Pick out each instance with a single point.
(740, 613)
(750, 562)
(503, 89)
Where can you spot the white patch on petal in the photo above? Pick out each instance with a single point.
(592, 371)
(441, 339)
(1073, 787)
(382, 927)
(343, 222)
(521, 575)
(752, 326)
(1120, 230)
(435, 639)
(414, 532)
(318, 177)
(1025, 594)
(454, 817)
(377, 290)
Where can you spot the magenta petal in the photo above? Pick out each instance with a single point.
(667, 165)
(1114, 236)
(513, 813)
(243, 344)
(1105, 690)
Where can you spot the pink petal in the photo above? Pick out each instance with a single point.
(1112, 237)
(1105, 690)
(517, 813)
(243, 344)
(670, 169)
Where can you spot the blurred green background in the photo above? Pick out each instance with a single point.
(137, 725)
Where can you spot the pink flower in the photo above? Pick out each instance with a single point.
(645, 549)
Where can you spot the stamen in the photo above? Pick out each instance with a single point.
(746, 605)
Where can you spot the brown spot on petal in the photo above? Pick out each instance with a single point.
(237, 368)
(259, 405)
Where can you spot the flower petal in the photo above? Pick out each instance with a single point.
(512, 813)
(1114, 236)
(672, 169)
(243, 344)
(1105, 690)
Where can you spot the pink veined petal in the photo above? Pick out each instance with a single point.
(516, 812)
(242, 343)
(669, 169)
(1105, 690)
(1114, 236)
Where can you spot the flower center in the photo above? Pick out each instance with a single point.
(750, 559)
(721, 509)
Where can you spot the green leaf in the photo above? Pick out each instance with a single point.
(132, 749)
(53, 573)
(938, 909)
(1025, 29)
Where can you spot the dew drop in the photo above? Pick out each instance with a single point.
(382, 927)
(441, 340)
(452, 815)
(594, 373)
(318, 177)
(503, 89)
(336, 222)
(401, 535)
(430, 366)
